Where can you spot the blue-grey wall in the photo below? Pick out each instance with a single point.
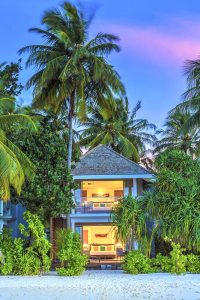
(17, 214)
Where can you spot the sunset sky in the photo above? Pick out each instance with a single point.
(156, 38)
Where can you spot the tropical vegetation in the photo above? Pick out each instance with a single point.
(113, 124)
(174, 201)
(191, 97)
(79, 101)
(71, 69)
(15, 166)
(49, 191)
(27, 256)
(129, 219)
(135, 262)
(9, 78)
(69, 252)
(176, 135)
(177, 262)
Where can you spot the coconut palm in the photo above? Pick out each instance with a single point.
(112, 124)
(176, 135)
(191, 97)
(14, 164)
(70, 67)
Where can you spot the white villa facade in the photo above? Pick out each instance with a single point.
(103, 177)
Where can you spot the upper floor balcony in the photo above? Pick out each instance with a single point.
(101, 196)
(95, 205)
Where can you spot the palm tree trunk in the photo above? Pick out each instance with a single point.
(70, 124)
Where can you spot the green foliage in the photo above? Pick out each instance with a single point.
(175, 263)
(175, 200)
(137, 263)
(14, 164)
(39, 245)
(70, 67)
(129, 218)
(69, 246)
(191, 96)
(111, 123)
(176, 135)
(9, 78)
(17, 258)
(49, 192)
(193, 263)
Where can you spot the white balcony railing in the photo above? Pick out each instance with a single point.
(91, 204)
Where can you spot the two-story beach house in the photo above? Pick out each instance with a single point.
(103, 177)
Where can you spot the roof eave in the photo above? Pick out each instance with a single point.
(93, 177)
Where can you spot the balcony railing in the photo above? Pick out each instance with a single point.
(92, 205)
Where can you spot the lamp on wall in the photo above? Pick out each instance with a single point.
(85, 247)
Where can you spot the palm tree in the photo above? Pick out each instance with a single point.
(176, 135)
(129, 219)
(191, 97)
(71, 68)
(112, 124)
(14, 164)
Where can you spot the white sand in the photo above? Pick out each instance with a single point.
(101, 285)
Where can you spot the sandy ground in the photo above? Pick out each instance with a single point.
(101, 285)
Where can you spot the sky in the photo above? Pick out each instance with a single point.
(156, 37)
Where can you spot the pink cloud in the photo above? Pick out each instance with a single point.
(156, 44)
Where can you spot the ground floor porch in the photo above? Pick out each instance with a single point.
(100, 242)
(98, 236)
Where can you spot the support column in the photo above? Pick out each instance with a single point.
(134, 194)
(134, 188)
(73, 226)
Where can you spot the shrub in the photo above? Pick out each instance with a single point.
(27, 264)
(11, 250)
(175, 263)
(193, 263)
(39, 245)
(135, 262)
(69, 252)
(18, 259)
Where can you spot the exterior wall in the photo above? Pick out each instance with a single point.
(17, 212)
(93, 230)
(11, 216)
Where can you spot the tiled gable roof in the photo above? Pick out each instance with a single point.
(102, 160)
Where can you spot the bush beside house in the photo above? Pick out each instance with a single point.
(69, 252)
(28, 256)
(135, 262)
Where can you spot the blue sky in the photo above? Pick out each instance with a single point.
(156, 38)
